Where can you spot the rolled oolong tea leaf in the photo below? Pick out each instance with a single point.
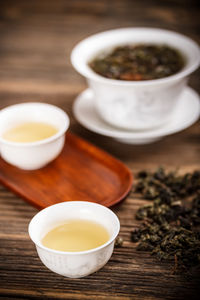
(170, 228)
(138, 62)
(119, 242)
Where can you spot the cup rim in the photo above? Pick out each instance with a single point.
(39, 244)
(60, 132)
(90, 74)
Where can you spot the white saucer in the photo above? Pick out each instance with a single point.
(187, 112)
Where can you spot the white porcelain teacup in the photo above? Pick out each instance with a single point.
(137, 105)
(32, 155)
(74, 264)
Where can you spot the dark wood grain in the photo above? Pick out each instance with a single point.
(81, 172)
(36, 38)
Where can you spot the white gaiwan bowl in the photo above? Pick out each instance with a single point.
(34, 155)
(135, 105)
(74, 264)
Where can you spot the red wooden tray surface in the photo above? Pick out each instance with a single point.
(81, 172)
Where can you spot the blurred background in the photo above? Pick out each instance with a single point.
(37, 36)
(36, 39)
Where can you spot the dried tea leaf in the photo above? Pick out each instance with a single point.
(171, 229)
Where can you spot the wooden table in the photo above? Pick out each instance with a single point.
(36, 38)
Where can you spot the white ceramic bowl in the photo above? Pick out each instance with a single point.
(35, 155)
(135, 104)
(74, 264)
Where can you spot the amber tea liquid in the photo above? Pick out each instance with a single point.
(30, 132)
(76, 235)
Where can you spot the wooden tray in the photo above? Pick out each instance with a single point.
(81, 172)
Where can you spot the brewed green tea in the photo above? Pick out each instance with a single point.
(76, 235)
(30, 132)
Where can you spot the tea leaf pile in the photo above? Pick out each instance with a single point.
(170, 228)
